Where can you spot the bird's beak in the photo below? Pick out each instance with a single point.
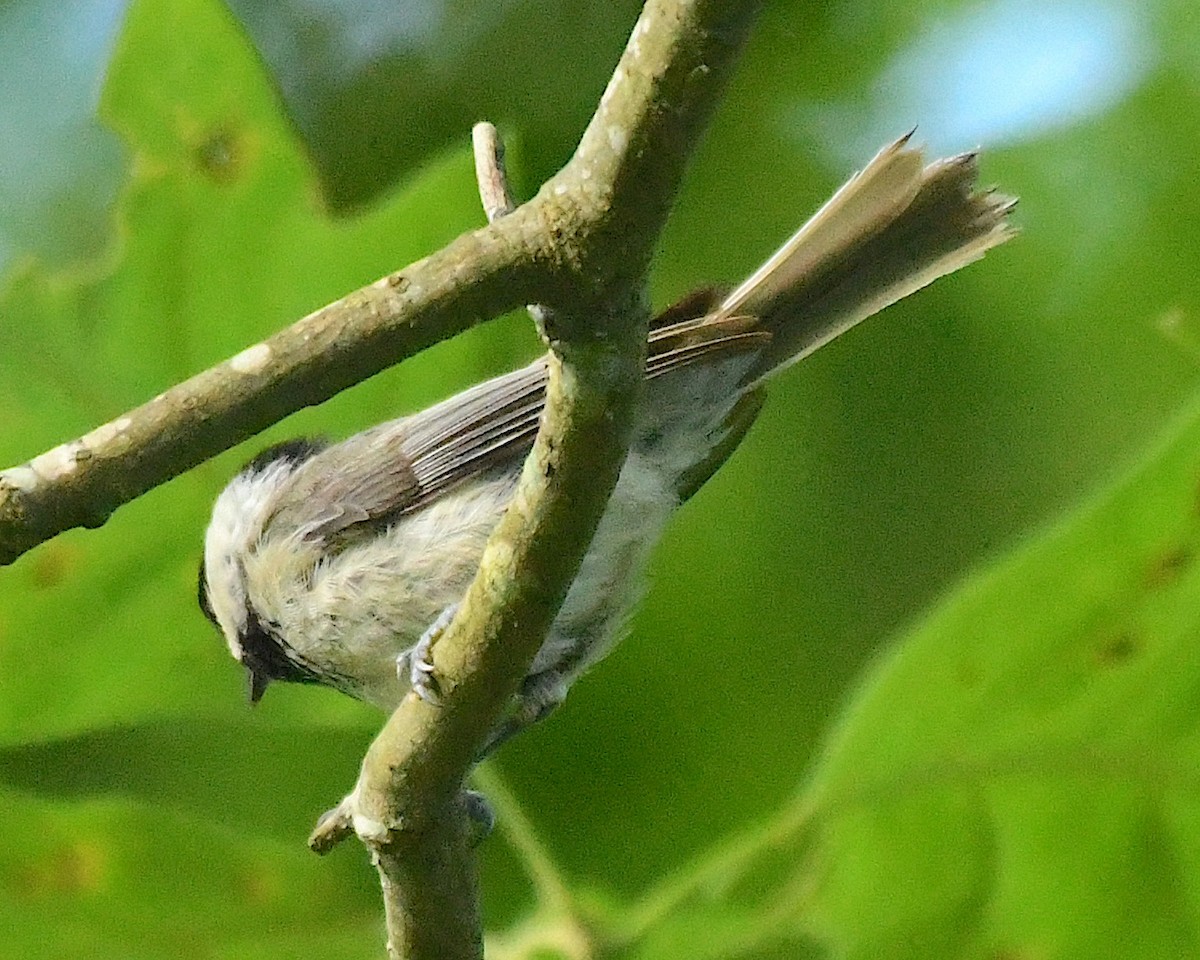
(257, 684)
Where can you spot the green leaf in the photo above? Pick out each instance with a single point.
(374, 87)
(128, 880)
(215, 770)
(1019, 778)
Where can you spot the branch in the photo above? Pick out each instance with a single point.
(478, 276)
(615, 192)
(596, 221)
(582, 248)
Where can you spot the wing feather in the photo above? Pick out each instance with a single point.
(386, 472)
(890, 230)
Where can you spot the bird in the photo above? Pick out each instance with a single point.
(341, 563)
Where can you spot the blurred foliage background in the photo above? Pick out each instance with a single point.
(178, 180)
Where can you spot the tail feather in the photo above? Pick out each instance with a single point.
(893, 228)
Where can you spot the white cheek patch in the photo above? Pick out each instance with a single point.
(237, 520)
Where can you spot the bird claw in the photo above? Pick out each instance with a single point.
(416, 665)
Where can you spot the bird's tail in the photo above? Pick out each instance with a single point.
(891, 229)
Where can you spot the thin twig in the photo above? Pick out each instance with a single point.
(494, 192)
(496, 196)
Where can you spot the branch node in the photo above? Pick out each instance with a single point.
(334, 826)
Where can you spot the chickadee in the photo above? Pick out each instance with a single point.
(331, 563)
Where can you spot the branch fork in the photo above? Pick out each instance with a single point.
(581, 247)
